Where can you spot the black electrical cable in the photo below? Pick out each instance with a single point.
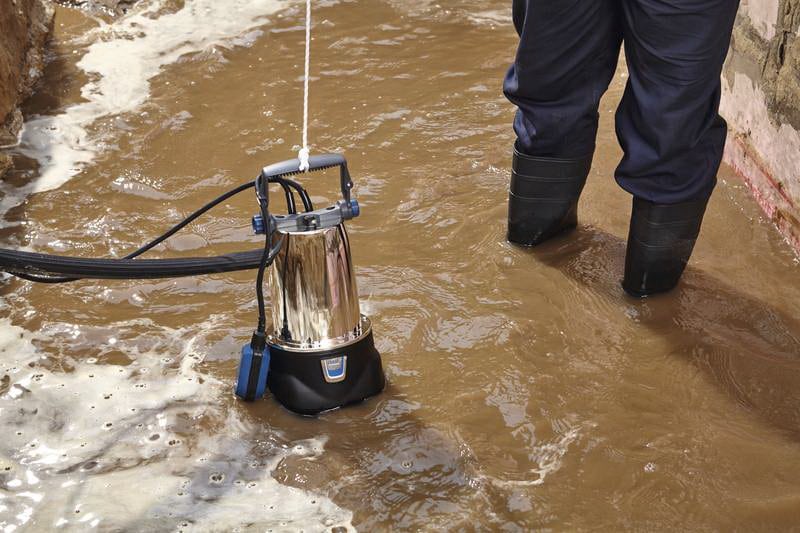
(263, 205)
(20, 264)
(307, 205)
(287, 184)
(155, 242)
(290, 205)
(259, 340)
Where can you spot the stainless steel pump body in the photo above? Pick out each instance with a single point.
(314, 293)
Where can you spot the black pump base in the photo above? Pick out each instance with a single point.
(543, 196)
(660, 241)
(310, 382)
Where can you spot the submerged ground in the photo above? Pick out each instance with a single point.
(525, 390)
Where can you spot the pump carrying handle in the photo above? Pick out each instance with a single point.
(315, 162)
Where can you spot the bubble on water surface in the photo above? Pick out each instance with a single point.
(76, 464)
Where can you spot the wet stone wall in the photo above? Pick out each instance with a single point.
(761, 101)
(112, 7)
(24, 27)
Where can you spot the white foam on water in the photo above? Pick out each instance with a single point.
(511, 400)
(92, 445)
(548, 457)
(120, 62)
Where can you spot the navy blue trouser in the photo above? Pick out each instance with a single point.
(667, 122)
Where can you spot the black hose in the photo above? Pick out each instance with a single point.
(34, 264)
(41, 267)
(150, 245)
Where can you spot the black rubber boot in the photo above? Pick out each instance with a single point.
(543, 200)
(660, 241)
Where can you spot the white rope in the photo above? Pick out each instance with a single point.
(302, 155)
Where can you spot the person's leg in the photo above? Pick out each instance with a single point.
(670, 130)
(566, 58)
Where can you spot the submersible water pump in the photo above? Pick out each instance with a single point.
(320, 353)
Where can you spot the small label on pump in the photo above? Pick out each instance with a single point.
(334, 369)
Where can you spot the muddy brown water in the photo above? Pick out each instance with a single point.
(525, 390)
